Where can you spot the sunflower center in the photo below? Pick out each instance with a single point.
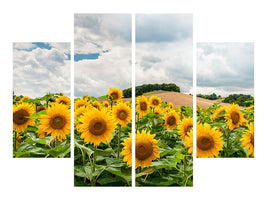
(143, 106)
(114, 96)
(122, 115)
(155, 102)
(63, 102)
(20, 117)
(143, 150)
(187, 129)
(205, 143)
(58, 122)
(97, 126)
(171, 120)
(252, 139)
(235, 117)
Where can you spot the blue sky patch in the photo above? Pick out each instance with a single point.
(91, 56)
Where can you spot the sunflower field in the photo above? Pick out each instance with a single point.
(100, 127)
(163, 143)
(225, 131)
(41, 126)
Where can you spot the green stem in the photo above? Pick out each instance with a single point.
(227, 143)
(93, 183)
(15, 142)
(119, 139)
(184, 177)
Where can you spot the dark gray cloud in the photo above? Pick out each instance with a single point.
(229, 66)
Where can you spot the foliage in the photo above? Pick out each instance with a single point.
(240, 99)
(212, 96)
(139, 90)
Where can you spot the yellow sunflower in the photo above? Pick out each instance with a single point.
(105, 104)
(40, 108)
(171, 105)
(21, 112)
(155, 101)
(57, 121)
(78, 112)
(63, 100)
(79, 103)
(209, 141)
(25, 98)
(166, 110)
(171, 120)
(189, 141)
(234, 116)
(97, 105)
(248, 139)
(115, 94)
(122, 114)
(218, 111)
(184, 127)
(142, 106)
(157, 111)
(96, 127)
(146, 149)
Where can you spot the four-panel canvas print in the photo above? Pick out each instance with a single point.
(109, 117)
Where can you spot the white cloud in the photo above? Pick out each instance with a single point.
(40, 71)
(23, 45)
(225, 67)
(163, 53)
(95, 33)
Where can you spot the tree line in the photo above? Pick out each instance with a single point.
(139, 90)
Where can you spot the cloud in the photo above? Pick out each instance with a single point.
(40, 71)
(24, 45)
(225, 67)
(109, 37)
(164, 50)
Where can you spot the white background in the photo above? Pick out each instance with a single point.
(52, 21)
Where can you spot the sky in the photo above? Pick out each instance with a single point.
(225, 68)
(40, 68)
(164, 50)
(102, 46)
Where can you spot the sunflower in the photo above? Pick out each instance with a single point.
(40, 108)
(86, 97)
(105, 104)
(63, 100)
(97, 105)
(218, 112)
(25, 98)
(146, 149)
(157, 111)
(171, 120)
(122, 114)
(185, 126)
(188, 142)
(155, 101)
(234, 116)
(209, 141)
(57, 121)
(96, 127)
(166, 110)
(78, 112)
(142, 106)
(248, 139)
(115, 94)
(79, 103)
(21, 112)
(171, 105)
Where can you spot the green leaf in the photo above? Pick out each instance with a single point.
(58, 150)
(84, 148)
(118, 172)
(29, 150)
(103, 97)
(83, 171)
(37, 115)
(162, 163)
(147, 171)
(114, 162)
(32, 139)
